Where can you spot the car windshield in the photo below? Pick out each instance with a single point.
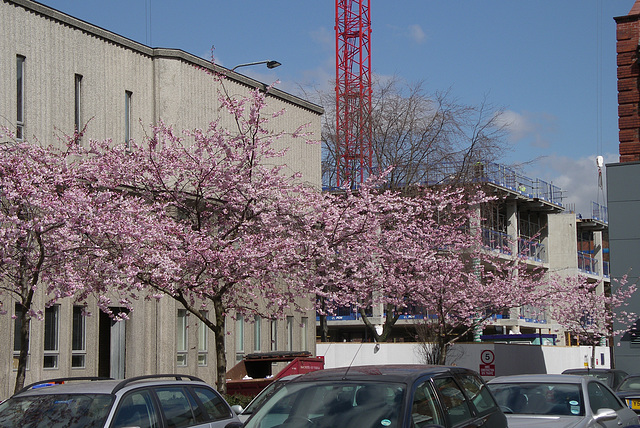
(539, 398)
(263, 396)
(55, 411)
(330, 405)
(630, 384)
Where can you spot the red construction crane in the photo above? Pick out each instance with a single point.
(353, 92)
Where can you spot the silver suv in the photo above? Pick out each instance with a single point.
(154, 401)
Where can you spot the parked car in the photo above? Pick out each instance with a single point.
(154, 401)
(560, 401)
(611, 377)
(259, 399)
(629, 392)
(399, 396)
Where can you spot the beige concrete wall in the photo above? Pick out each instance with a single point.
(166, 84)
(562, 244)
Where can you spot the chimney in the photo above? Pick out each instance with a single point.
(628, 37)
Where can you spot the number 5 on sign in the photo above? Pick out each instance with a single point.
(487, 357)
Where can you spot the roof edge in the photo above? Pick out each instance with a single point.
(168, 53)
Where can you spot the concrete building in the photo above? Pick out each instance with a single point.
(527, 218)
(58, 74)
(623, 191)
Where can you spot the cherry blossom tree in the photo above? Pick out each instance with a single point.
(228, 218)
(43, 206)
(590, 310)
(418, 251)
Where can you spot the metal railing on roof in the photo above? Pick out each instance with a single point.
(490, 172)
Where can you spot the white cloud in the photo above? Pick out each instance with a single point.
(324, 37)
(578, 178)
(416, 33)
(527, 128)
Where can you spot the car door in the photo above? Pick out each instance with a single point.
(217, 410)
(484, 406)
(601, 397)
(454, 403)
(425, 408)
(136, 409)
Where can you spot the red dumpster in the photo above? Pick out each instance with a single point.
(256, 371)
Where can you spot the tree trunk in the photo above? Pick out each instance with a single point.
(389, 322)
(217, 327)
(24, 350)
(324, 329)
(324, 326)
(221, 356)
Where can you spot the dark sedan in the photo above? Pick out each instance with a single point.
(629, 392)
(401, 396)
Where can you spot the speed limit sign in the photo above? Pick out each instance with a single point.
(487, 357)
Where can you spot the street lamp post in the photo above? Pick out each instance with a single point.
(270, 64)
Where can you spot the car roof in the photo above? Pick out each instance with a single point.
(404, 373)
(598, 370)
(539, 378)
(84, 387)
(103, 386)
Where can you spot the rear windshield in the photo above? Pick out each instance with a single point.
(55, 411)
(330, 405)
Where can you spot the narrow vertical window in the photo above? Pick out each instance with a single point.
(20, 97)
(77, 111)
(16, 336)
(257, 333)
(78, 339)
(203, 344)
(128, 95)
(305, 341)
(239, 338)
(181, 338)
(289, 333)
(274, 335)
(51, 331)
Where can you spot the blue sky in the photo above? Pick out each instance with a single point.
(551, 65)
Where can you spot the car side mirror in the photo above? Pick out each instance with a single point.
(605, 415)
(237, 409)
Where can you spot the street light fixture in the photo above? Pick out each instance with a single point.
(270, 64)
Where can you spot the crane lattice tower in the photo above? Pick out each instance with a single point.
(353, 92)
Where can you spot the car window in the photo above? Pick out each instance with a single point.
(213, 403)
(425, 409)
(478, 393)
(601, 398)
(535, 398)
(176, 406)
(49, 410)
(327, 404)
(453, 400)
(619, 377)
(136, 410)
(630, 384)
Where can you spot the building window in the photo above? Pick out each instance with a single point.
(77, 119)
(78, 338)
(20, 97)
(51, 329)
(203, 344)
(181, 338)
(239, 338)
(128, 95)
(305, 341)
(257, 333)
(274, 335)
(289, 333)
(16, 336)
